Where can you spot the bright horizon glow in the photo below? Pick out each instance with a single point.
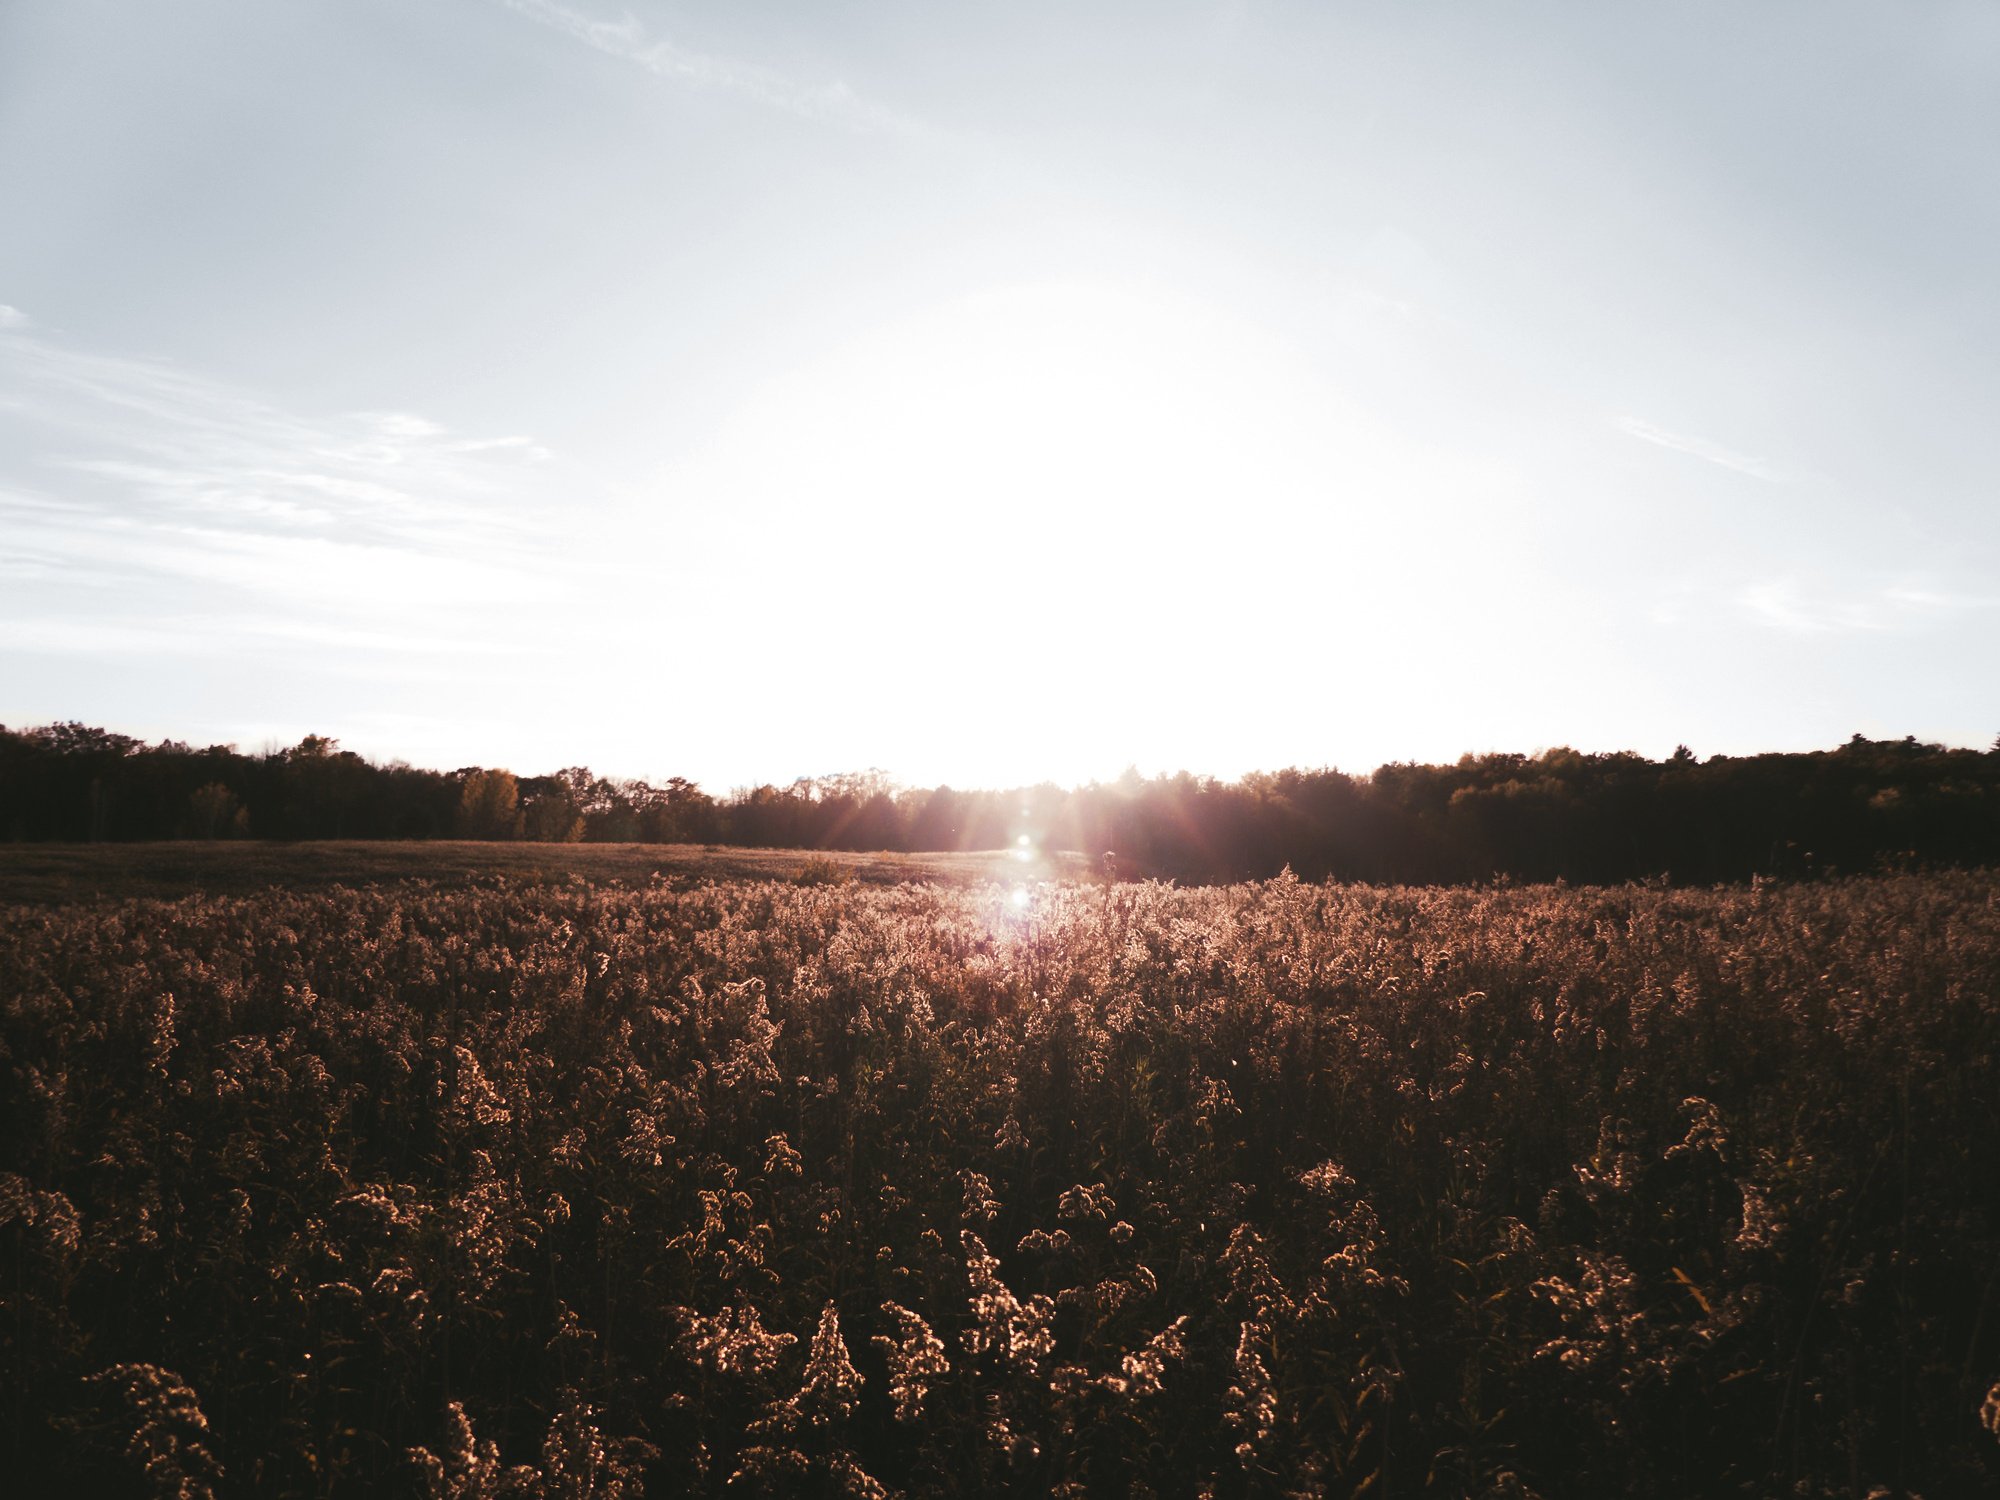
(677, 391)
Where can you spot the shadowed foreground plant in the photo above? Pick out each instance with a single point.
(168, 1434)
(578, 1463)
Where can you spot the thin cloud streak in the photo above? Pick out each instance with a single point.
(236, 637)
(147, 510)
(1702, 448)
(159, 447)
(1783, 604)
(833, 103)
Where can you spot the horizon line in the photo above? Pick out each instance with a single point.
(889, 783)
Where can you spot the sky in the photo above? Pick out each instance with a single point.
(999, 393)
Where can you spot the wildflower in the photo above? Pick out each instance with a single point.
(50, 1213)
(469, 1469)
(831, 1381)
(1326, 1179)
(733, 1340)
(474, 1097)
(778, 1468)
(1253, 1400)
(577, 1459)
(1002, 1324)
(1612, 1168)
(1018, 1446)
(169, 1432)
(487, 1222)
(1762, 1224)
(1599, 1311)
(915, 1356)
(378, 1210)
(160, 1044)
(645, 1144)
(1144, 1366)
(782, 1158)
(1082, 1202)
(1047, 1242)
(1251, 1276)
(980, 1205)
(1704, 1131)
(855, 1482)
(568, 1149)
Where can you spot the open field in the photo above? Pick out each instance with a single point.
(58, 873)
(566, 1187)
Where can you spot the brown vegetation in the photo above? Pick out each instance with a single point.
(834, 1188)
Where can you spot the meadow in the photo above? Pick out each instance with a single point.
(61, 873)
(787, 1182)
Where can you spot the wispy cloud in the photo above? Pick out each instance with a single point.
(1702, 448)
(240, 636)
(12, 317)
(134, 490)
(1784, 603)
(832, 102)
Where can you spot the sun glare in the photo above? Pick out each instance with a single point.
(1016, 429)
(1070, 457)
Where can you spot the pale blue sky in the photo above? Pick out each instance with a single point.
(991, 392)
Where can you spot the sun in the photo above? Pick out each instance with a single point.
(1048, 475)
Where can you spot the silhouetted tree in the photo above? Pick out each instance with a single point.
(214, 813)
(489, 806)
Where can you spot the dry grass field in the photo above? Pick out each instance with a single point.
(559, 1185)
(58, 873)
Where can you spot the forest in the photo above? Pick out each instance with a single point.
(755, 1188)
(1865, 806)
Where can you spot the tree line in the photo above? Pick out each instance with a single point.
(1561, 814)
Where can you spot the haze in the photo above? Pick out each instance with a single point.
(999, 393)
